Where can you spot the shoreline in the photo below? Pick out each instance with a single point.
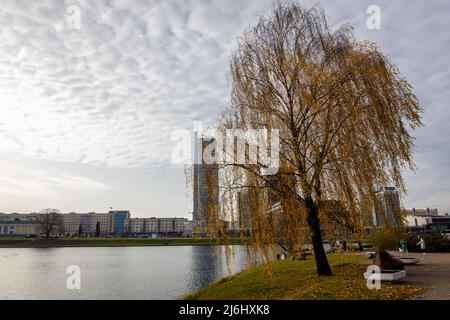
(298, 280)
(111, 242)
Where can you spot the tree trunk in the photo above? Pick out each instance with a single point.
(322, 265)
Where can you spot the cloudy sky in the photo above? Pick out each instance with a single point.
(87, 105)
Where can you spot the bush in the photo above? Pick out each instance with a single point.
(386, 238)
(433, 243)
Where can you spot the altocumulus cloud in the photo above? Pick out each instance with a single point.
(110, 93)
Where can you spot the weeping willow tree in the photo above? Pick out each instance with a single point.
(344, 117)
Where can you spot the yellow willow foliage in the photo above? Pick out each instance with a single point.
(344, 115)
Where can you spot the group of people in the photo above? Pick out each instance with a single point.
(404, 245)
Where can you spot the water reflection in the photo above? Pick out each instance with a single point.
(113, 273)
(205, 266)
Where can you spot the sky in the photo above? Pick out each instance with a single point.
(91, 91)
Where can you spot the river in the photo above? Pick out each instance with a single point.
(167, 272)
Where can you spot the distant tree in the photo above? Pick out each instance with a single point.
(344, 116)
(50, 221)
(97, 229)
(80, 230)
(387, 237)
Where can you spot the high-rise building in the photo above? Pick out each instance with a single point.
(246, 202)
(388, 207)
(205, 188)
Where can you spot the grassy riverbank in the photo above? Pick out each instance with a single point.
(106, 242)
(297, 280)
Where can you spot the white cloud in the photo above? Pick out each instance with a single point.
(110, 93)
(19, 180)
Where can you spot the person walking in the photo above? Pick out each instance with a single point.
(360, 246)
(404, 246)
(339, 246)
(344, 245)
(421, 243)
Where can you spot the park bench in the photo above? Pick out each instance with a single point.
(408, 261)
(388, 275)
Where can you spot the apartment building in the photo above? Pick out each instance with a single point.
(92, 224)
(205, 186)
(104, 220)
(388, 209)
(71, 223)
(159, 226)
(86, 223)
(19, 228)
(136, 225)
(19, 217)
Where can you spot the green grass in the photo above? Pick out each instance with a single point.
(297, 280)
(105, 242)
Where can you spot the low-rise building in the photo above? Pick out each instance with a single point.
(136, 225)
(20, 228)
(118, 221)
(422, 212)
(188, 231)
(159, 226)
(71, 223)
(427, 220)
(19, 217)
(86, 224)
(104, 222)
(113, 223)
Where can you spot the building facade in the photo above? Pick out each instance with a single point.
(188, 231)
(245, 202)
(113, 223)
(427, 221)
(156, 226)
(422, 212)
(71, 223)
(87, 224)
(205, 188)
(19, 228)
(388, 207)
(19, 216)
(118, 221)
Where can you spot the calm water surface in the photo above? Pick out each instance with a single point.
(113, 273)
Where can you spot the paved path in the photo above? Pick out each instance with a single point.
(433, 272)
